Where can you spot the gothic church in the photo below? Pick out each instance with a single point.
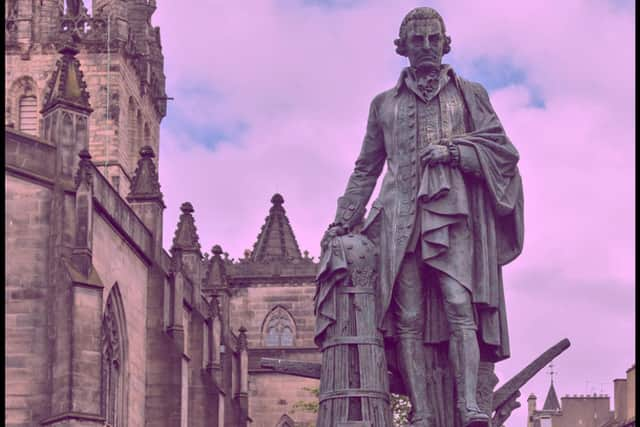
(103, 325)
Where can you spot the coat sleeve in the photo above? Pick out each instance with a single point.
(497, 159)
(368, 167)
(496, 156)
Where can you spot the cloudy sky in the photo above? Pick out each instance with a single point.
(273, 97)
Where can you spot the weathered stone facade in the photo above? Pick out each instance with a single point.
(103, 326)
(127, 79)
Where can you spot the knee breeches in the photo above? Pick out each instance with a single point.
(408, 303)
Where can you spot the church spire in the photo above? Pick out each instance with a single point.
(551, 403)
(276, 240)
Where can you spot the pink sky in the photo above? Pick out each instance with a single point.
(274, 98)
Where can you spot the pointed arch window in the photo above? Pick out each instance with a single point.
(114, 361)
(285, 421)
(278, 329)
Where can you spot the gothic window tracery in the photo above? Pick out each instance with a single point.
(278, 329)
(114, 387)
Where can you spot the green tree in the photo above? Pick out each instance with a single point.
(400, 408)
(308, 406)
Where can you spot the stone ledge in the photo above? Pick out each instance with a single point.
(122, 216)
(30, 176)
(81, 416)
(29, 156)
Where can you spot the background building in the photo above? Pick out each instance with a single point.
(586, 410)
(104, 326)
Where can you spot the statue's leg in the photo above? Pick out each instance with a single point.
(464, 353)
(408, 309)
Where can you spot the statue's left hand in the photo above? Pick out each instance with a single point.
(333, 231)
(436, 153)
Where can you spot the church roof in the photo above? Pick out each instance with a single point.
(67, 83)
(276, 240)
(551, 403)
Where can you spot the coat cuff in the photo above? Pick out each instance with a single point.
(350, 212)
(469, 162)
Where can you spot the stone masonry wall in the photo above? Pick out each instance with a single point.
(284, 391)
(111, 136)
(250, 306)
(116, 262)
(273, 395)
(27, 346)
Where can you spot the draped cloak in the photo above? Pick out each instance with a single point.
(487, 197)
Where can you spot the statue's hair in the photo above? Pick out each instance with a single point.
(419, 13)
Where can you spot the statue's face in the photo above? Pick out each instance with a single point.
(425, 43)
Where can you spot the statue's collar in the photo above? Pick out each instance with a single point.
(446, 72)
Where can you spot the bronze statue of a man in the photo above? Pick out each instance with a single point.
(448, 217)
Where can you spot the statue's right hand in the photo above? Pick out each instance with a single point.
(333, 231)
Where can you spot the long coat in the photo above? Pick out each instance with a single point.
(493, 206)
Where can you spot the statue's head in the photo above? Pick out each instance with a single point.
(423, 38)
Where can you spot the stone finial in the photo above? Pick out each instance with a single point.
(186, 237)
(187, 208)
(66, 85)
(276, 240)
(85, 168)
(277, 199)
(216, 275)
(145, 185)
(242, 339)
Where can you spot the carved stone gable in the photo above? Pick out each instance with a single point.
(276, 240)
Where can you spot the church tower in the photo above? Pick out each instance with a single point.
(121, 57)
